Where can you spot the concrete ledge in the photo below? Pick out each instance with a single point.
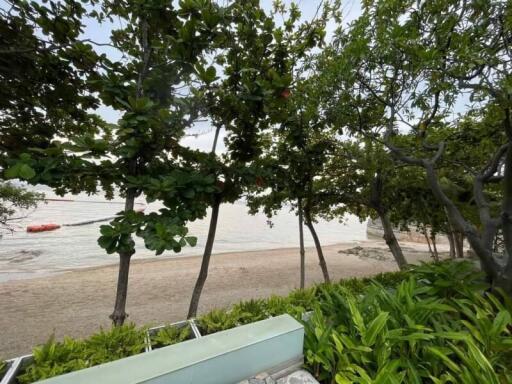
(225, 357)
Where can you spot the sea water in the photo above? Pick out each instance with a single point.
(26, 255)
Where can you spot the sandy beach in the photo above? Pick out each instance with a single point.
(78, 302)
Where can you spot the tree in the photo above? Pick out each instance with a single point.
(415, 60)
(164, 48)
(236, 103)
(44, 94)
(247, 99)
(294, 158)
(12, 200)
(43, 70)
(359, 179)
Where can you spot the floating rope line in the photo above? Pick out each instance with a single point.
(88, 201)
(51, 227)
(89, 221)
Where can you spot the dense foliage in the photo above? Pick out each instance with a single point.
(13, 200)
(56, 358)
(3, 368)
(408, 327)
(410, 77)
(371, 124)
(412, 326)
(419, 332)
(169, 335)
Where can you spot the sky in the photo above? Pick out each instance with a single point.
(201, 135)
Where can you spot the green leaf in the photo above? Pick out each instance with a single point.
(191, 240)
(189, 193)
(374, 328)
(449, 362)
(13, 172)
(210, 74)
(26, 172)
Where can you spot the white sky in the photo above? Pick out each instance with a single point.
(203, 131)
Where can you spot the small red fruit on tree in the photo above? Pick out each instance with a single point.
(286, 93)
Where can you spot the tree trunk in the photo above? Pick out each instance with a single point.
(318, 246)
(489, 264)
(506, 214)
(425, 234)
(451, 240)
(301, 246)
(496, 274)
(391, 240)
(434, 245)
(205, 263)
(119, 315)
(459, 244)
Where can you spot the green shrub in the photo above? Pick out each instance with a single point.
(354, 284)
(277, 305)
(116, 343)
(358, 285)
(250, 311)
(303, 299)
(388, 279)
(450, 278)
(418, 332)
(56, 358)
(3, 368)
(170, 335)
(217, 320)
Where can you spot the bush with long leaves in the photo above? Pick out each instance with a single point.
(56, 358)
(169, 335)
(438, 326)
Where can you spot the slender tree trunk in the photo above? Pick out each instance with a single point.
(459, 244)
(506, 212)
(205, 263)
(450, 233)
(451, 240)
(119, 315)
(215, 139)
(434, 245)
(301, 246)
(318, 246)
(391, 240)
(428, 243)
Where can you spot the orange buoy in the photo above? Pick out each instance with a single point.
(42, 228)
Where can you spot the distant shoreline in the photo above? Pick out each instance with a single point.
(78, 301)
(114, 260)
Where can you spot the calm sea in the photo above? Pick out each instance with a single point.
(26, 255)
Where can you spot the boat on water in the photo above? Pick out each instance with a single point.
(42, 227)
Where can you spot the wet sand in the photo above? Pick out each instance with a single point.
(78, 302)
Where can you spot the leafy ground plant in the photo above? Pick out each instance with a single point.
(3, 368)
(250, 311)
(56, 358)
(170, 334)
(217, 320)
(420, 331)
